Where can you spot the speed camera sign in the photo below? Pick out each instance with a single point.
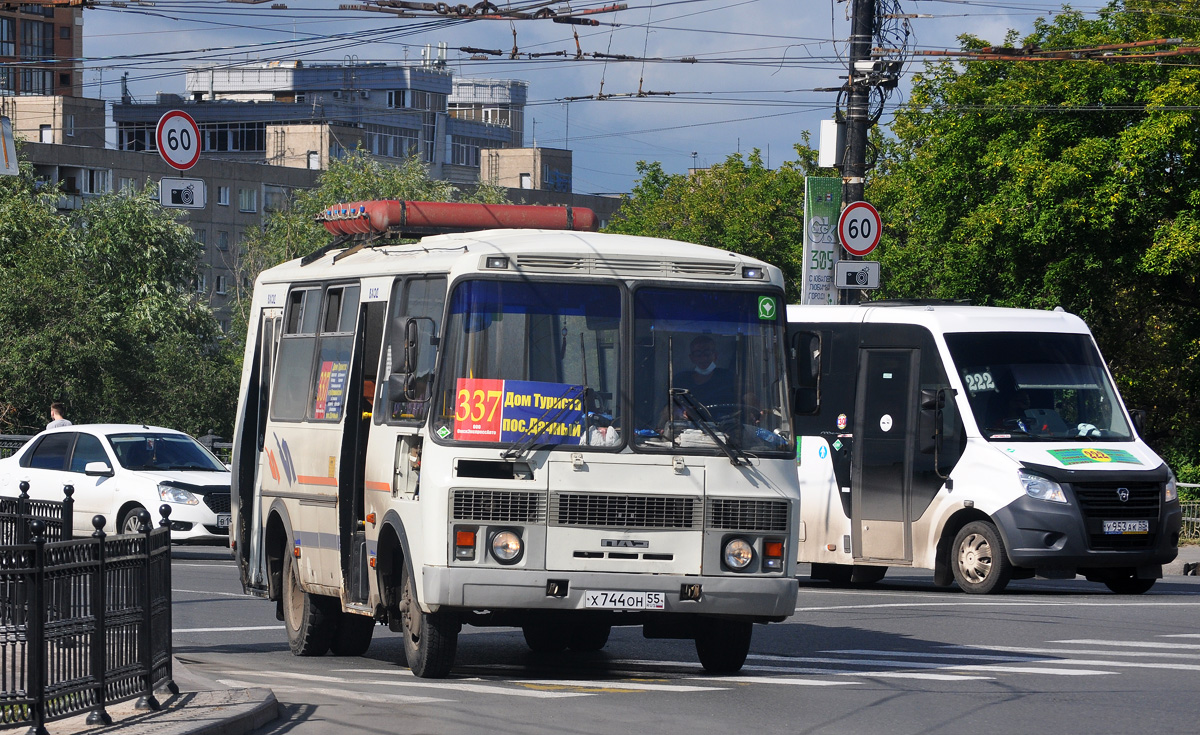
(858, 228)
(178, 139)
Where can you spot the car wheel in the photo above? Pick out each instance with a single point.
(308, 618)
(129, 521)
(1127, 583)
(979, 561)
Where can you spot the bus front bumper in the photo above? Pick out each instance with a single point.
(764, 598)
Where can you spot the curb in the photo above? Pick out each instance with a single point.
(217, 712)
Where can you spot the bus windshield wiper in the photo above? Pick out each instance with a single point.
(703, 419)
(550, 416)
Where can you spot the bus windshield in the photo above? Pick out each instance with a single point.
(1038, 387)
(530, 362)
(707, 371)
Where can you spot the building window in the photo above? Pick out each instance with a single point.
(64, 32)
(250, 137)
(64, 80)
(96, 181)
(202, 238)
(69, 125)
(222, 240)
(136, 137)
(220, 285)
(8, 37)
(397, 98)
(223, 196)
(125, 183)
(314, 161)
(247, 200)
(45, 134)
(201, 282)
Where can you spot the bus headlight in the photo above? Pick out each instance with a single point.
(172, 494)
(506, 547)
(1042, 488)
(1172, 492)
(738, 553)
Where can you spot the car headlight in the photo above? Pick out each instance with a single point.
(1172, 492)
(738, 553)
(178, 495)
(506, 547)
(1042, 488)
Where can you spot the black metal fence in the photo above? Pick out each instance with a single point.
(10, 443)
(83, 622)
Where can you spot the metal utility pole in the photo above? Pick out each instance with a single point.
(858, 98)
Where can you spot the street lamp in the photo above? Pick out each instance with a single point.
(694, 154)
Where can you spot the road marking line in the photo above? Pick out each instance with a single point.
(820, 671)
(1131, 644)
(229, 630)
(776, 680)
(1180, 635)
(611, 685)
(956, 656)
(1078, 652)
(993, 603)
(360, 697)
(218, 594)
(451, 684)
(958, 667)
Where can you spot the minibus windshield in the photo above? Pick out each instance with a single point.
(528, 363)
(707, 371)
(1038, 387)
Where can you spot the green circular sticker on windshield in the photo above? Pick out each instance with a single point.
(766, 307)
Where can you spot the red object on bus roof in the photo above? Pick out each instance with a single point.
(440, 217)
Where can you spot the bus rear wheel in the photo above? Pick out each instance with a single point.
(353, 635)
(430, 639)
(587, 637)
(723, 645)
(979, 561)
(308, 618)
(545, 636)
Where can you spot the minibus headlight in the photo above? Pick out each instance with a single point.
(172, 494)
(738, 553)
(506, 547)
(1172, 492)
(1042, 488)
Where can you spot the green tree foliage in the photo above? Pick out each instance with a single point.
(1064, 183)
(98, 313)
(738, 205)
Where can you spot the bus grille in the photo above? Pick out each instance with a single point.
(747, 515)
(624, 511)
(1102, 502)
(504, 506)
(625, 265)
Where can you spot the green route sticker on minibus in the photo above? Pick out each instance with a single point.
(766, 307)
(1088, 456)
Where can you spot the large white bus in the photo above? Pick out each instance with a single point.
(515, 427)
(986, 444)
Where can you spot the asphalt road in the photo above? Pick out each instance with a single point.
(900, 657)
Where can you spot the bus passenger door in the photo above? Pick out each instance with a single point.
(356, 429)
(248, 464)
(886, 421)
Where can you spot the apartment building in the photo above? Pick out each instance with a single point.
(40, 48)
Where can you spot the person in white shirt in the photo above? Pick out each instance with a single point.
(56, 416)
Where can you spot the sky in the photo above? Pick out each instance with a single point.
(742, 74)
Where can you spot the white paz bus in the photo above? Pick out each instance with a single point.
(984, 443)
(548, 428)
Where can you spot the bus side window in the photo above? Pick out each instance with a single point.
(331, 371)
(806, 359)
(293, 371)
(422, 300)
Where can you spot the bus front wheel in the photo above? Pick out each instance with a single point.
(723, 645)
(430, 639)
(978, 559)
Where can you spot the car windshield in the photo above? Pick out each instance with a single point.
(163, 452)
(1038, 387)
(708, 371)
(531, 363)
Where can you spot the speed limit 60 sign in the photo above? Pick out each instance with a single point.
(178, 139)
(858, 228)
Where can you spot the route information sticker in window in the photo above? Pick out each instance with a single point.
(1087, 456)
(331, 390)
(488, 410)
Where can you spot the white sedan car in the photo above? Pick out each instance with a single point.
(119, 469)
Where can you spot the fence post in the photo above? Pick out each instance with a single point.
(23, 512)
(100, 716)
(147, 700)
(35, 629)
(68, 513)
(165, 511)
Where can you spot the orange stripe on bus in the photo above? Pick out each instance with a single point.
(382, 487)
(310, 480)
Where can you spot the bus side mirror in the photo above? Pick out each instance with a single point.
(929, 426)
(1139, 420)
(401, 387)
(410, 346)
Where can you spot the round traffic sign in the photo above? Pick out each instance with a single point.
(178, 139)
(859, 227)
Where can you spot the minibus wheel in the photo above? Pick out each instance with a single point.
(722, 645)
(979, 560)
(307, 618)
(588, 636)
(545, 636)
(430, 640)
